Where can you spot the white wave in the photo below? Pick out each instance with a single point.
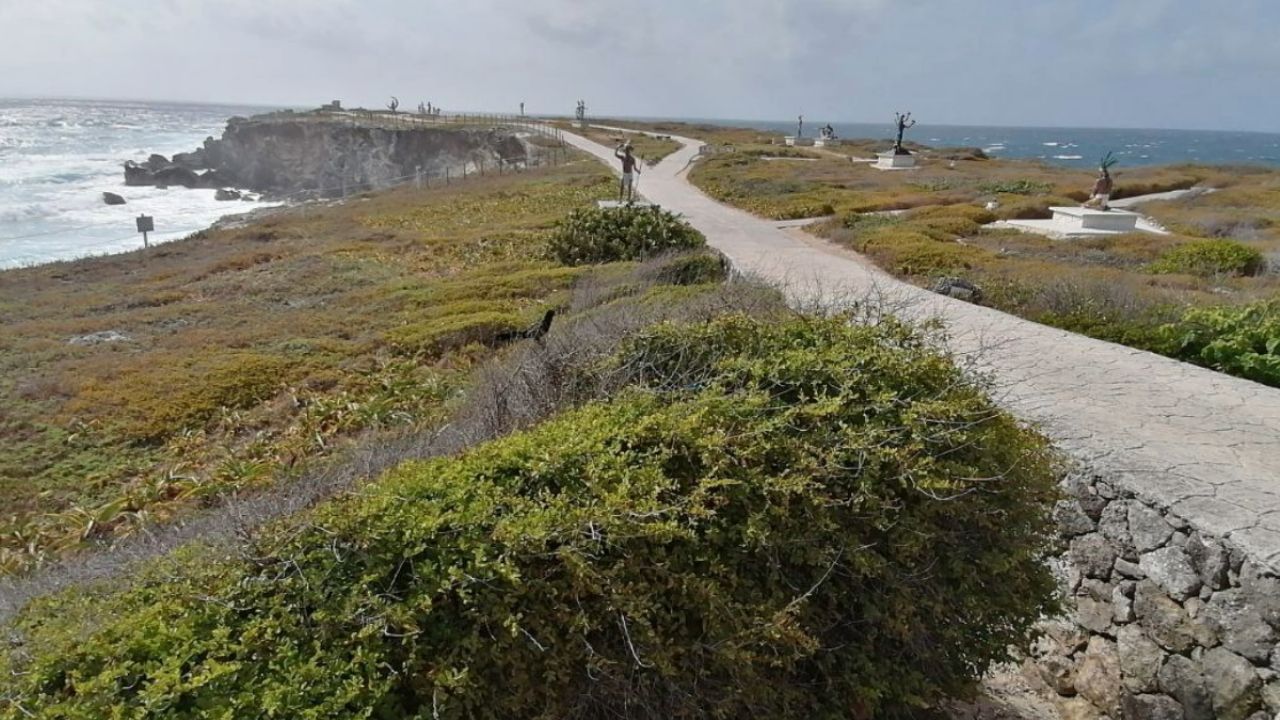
(1068, 157)
(1050, 144)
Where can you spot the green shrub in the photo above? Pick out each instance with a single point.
(1015, 187)
(691, 269)
(1209, 258)
(1242, 341)
(793, 520)
(598, 235)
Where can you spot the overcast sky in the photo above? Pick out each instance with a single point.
(1104, 63)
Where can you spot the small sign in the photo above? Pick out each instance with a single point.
(146, 224)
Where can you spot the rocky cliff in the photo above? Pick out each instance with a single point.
(328, 156)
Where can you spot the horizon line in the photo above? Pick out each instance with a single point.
(725, 121)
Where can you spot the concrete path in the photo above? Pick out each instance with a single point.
(1204, 444)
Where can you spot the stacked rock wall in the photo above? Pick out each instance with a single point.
(1165, 621)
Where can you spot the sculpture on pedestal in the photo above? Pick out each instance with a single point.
(1100, 196)
(800, 127)
(581, 112)
(904, 123)
(828, 132)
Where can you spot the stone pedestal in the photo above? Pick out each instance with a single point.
(827, 142)
(894, 161)
(1115, 221)
(793, 141)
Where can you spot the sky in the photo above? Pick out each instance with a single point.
(1076, 63)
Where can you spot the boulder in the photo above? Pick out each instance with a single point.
(1098, 677)
(226, 195)
(1210, 559)
(1181, 678)
(1261, 592)
(1234, 686)
(157, 162)
(1165, 620)
(1114, 526)
(958, 288)
(1122, 603)
(1172, 569)
(1151, 707)
(98, 338)
(1077, 708)
(1241, 626)
(197, 160)
(213, 180)
(174, 175)
(1140, 660)
(136, 175)
(1071, 519)
(1093, 555)
(1148, 528)
(111, 198)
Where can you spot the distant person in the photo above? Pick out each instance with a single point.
(1100, 198)
(630, 170)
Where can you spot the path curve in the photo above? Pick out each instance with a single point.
(1204, 444)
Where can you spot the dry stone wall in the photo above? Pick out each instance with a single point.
(1165, 621)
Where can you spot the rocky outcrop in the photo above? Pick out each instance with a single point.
(111, 198)
(320, 155)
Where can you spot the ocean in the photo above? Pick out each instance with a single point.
(1069, 147)
(58, 156)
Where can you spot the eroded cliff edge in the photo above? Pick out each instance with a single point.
(317, 155)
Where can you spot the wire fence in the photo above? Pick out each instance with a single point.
(555, 152)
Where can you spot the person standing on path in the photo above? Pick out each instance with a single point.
(630, 170)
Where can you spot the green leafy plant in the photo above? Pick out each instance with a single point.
(599, 235)
(1015, 187)
(1209, 258)
(1243, 341)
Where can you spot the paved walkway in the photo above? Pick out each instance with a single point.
(1205, 444)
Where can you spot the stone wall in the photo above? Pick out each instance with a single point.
(1165, 621)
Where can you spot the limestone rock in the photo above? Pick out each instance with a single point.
(1094, 555)
(1233, 684)
(958, 288)
(1242, 628)
(157, 162)
(1066, 634)
(1114, 526)
(1058, 673)
(1147, 528)
(111, 198)
(226, 195)
(1271, 696)
(1151, 707)
(1072, 520)
(1122, 604)
(136, 175)
(98, 338)
(1098, 677)
(1077, 708)
(1129, 570)
(1095, 615)
(1140, 660)
(1181, 678)
(1171, 568)
(1261, 592)
(1165, 620)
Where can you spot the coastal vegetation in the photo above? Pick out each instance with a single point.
(1210, 283)
(742, 514)
(139, 388)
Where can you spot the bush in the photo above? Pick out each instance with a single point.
(793, 520)
(1209, 258)
(1015, 187)
(1242, 341)
(600, 235)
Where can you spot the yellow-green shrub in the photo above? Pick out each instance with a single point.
(791, 520)
(1209, 258)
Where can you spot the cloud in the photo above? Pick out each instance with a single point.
(1156, 62)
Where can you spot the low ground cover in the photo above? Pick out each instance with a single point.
(1147, 291)
(141, 386)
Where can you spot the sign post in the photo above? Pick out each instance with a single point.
(146, 224)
